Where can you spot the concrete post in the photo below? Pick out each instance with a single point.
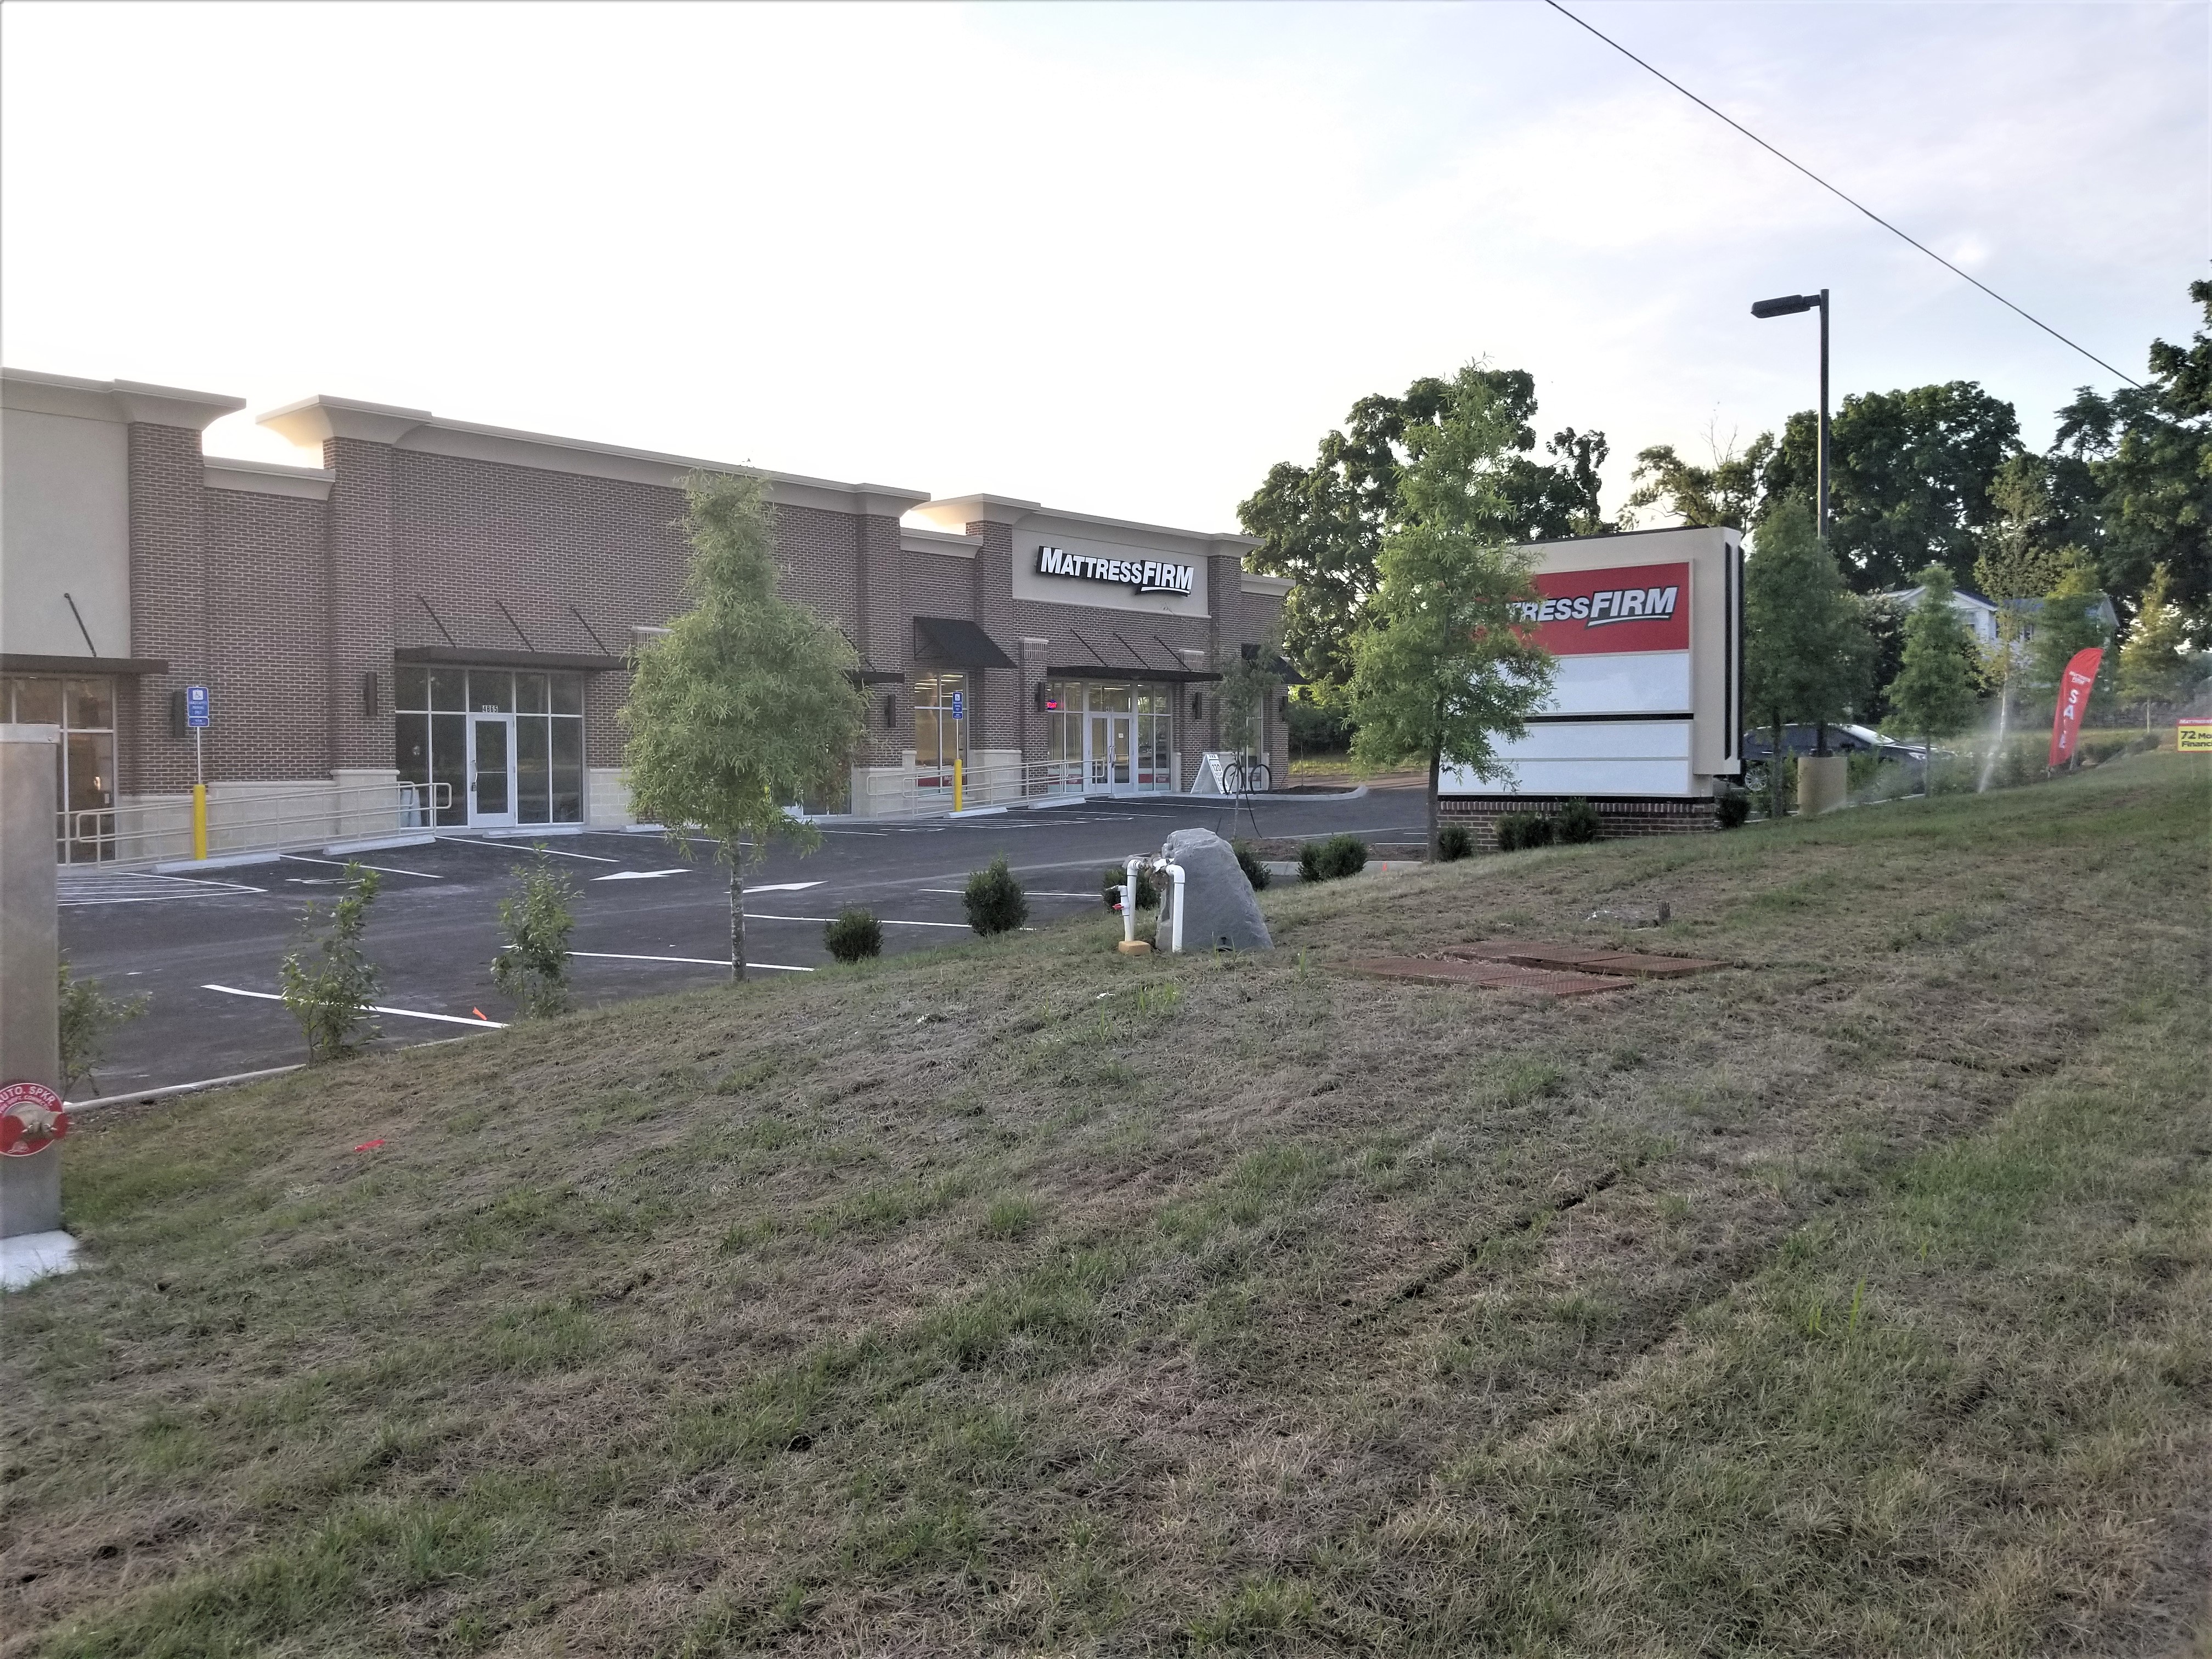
(30, 1013)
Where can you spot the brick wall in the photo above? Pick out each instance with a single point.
(168, 606)
(1621, 816)
(993, 569)
(269, 636)
(358, 599)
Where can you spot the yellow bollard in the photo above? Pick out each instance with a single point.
(956, 783)
(199, 820)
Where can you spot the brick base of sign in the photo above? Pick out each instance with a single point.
(1619, 817)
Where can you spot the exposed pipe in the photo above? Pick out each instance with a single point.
(1174, 943)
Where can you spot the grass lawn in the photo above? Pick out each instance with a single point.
(1022, 1299)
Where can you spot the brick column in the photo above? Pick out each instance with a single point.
(168, 606)
(882, 643)
(993, 612)
(361, 600)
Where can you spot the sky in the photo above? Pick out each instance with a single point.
(1119, 258)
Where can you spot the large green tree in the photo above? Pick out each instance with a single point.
(1323, 525)
(2071, 619)
(748, 704)
(1806, 651)
(1933, 695)
(1727, 492)
(2154, 662)
(2143, 457)
(1441, 671)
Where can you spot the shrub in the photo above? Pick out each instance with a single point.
(1732, 808)
(1116, 878)
(1331, 860)
(1248, 862)
(1578, 824)
(996, 903)
(331, 998)
(2145, 743)
(1519, 830)
(855, 936)
(1453, 843)
(88, 1015)
(534, 925)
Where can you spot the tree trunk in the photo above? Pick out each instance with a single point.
(1820, 737)
(1435, 768)
(737, 911)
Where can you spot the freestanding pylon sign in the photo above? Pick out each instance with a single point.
(31, 1123)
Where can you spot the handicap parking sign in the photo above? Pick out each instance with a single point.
(959, 705)
(196, 705)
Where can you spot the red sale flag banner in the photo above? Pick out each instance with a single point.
(2073, 698)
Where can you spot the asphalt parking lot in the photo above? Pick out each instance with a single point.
(203, 949)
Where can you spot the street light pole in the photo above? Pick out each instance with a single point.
(1789, 305)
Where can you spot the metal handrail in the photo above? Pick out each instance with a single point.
(926, 791)
(247, 823)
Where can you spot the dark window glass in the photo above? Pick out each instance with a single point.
(567, 771)
(39, 702)
(91, 706)
(530, 694)
(568, 694)
(491, 691)
(410, 687)
(411, 745)
(532, 774)
(449, 764)
(448, 689)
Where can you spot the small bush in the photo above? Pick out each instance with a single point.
(1733, 807)
(1453, 843)
(1331, 859)
(996, 903)
(534, 925)
(1517, 831)
(1116, 878)
(855, 936)
(2145, 743)
(1578, 822)
(331, 999)
(88, 1015)
(1248, 862)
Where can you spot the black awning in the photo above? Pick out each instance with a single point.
(469, 657)
(17, 662)
(876, 677)
(955, 642)
(1091, 671)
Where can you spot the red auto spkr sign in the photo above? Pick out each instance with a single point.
(32, 1118)
(1642, 607)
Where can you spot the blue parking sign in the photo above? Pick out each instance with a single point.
(959, 705)
(196, 705)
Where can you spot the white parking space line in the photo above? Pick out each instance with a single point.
(522, 844)
(402, 1013)
(343, 863)
(1033, 893)
(703, 961)
(888, 921)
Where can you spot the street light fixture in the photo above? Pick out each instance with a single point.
(1789, 304)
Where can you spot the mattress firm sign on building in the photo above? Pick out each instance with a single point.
(1647, 633)
(1053, 568)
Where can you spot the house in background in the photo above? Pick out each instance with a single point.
(1981, 615)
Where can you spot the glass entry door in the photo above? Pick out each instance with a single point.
(491, 769)
(1111, 743)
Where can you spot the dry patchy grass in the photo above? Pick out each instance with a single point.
(1020, 1298)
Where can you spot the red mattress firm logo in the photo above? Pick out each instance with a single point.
(1643, 607)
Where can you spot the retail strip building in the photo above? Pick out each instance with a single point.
(441, 614)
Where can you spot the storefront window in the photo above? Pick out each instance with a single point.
(430, 732)
(1099, 734)
(942, 711)
(84, 765)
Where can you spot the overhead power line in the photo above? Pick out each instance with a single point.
(1838, 194)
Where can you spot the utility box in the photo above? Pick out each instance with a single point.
(1645, 718)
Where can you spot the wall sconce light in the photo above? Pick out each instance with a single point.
(370, 695)
(1198, 705)
(890, 711)
(1037, 696)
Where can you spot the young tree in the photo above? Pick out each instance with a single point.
(535, 920)
(2069, 620)
(748, 703)
(1323, 525)
(331, 998)
(1933, 695)
(2154, 667)
(1805, 651)
(1440, 669)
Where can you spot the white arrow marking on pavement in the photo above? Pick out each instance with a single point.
(641, 875)
(404, 1013)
